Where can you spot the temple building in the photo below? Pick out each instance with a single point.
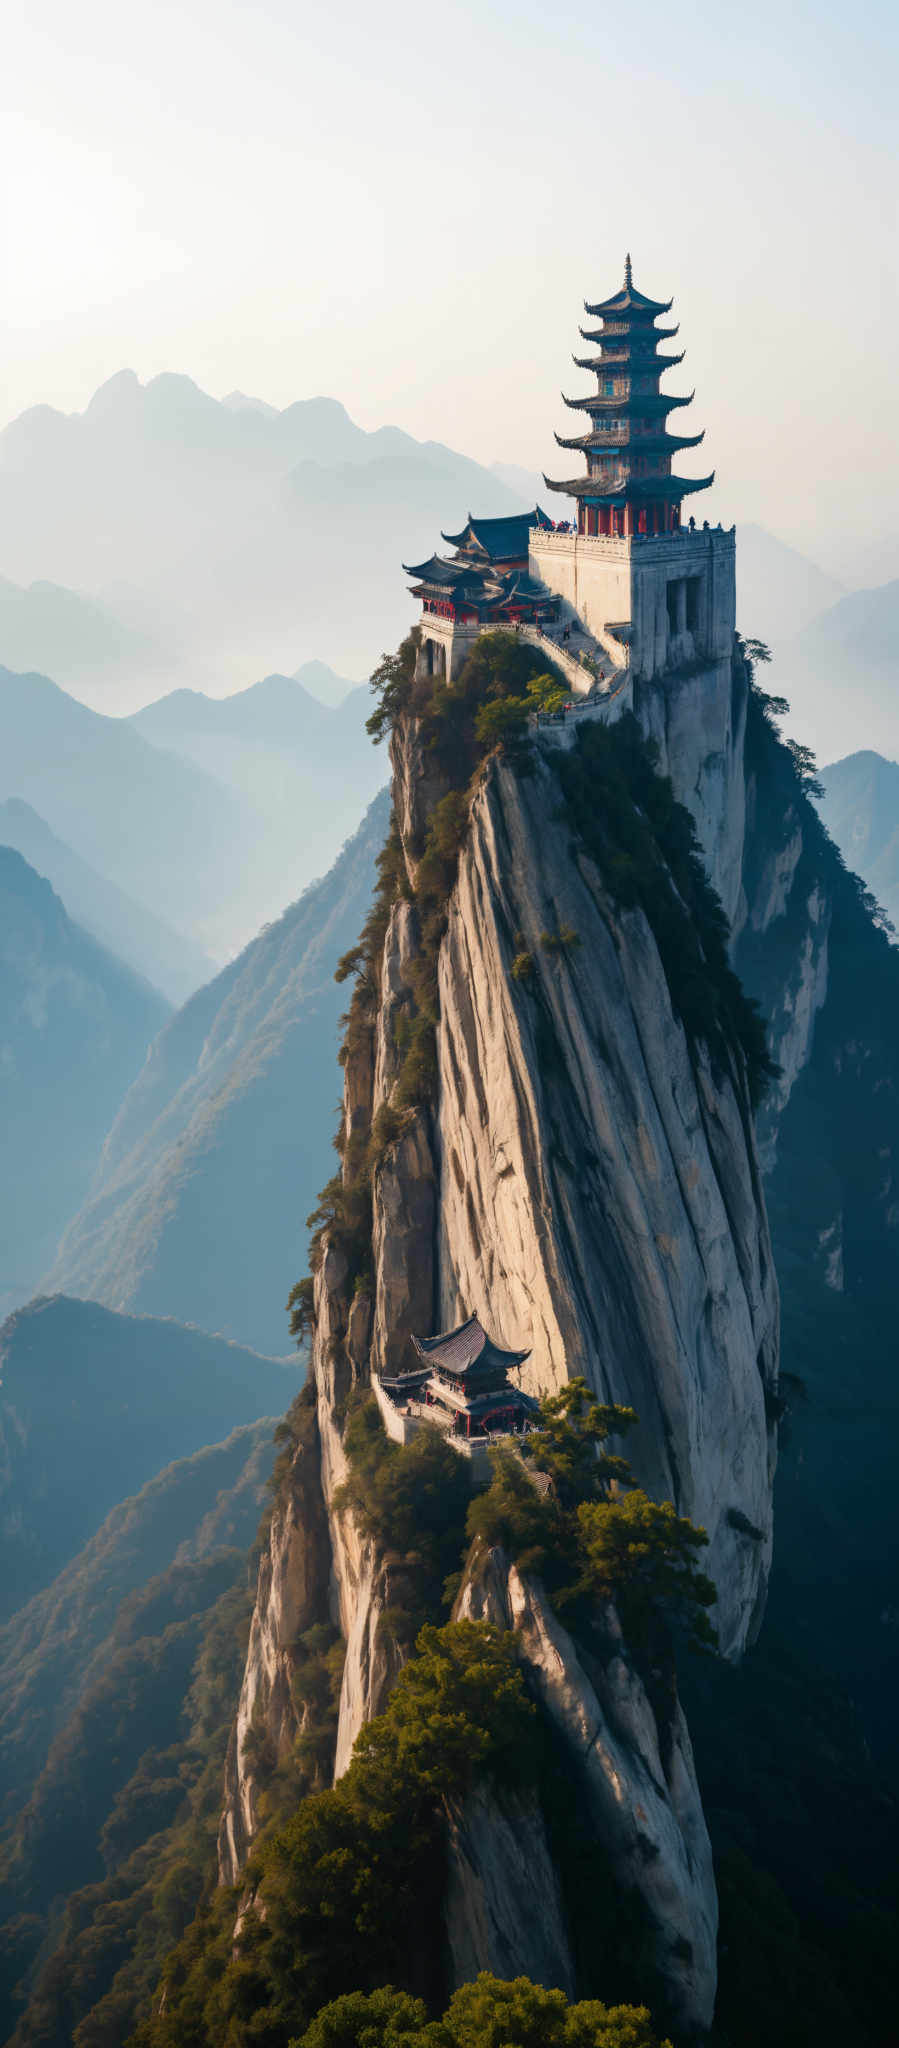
(485, 584)
(464, 1379)
(632, 585)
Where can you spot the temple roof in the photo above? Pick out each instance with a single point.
(655, 489)
(646, 403)
(627, 300)
(477, 584)
(467, 1346)
(641, 444)
(438, 570)
(500, 539)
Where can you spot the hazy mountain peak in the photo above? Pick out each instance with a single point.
(242, 401)
(176, 384)
(325, 408)
(321, 681)
(123, 387)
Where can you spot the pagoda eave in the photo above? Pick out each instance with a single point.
(627, 302)
(646, 403)
(635, 490)
(641, 444)
(628, 366)
(608, 339)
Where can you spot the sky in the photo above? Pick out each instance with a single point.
(404, 206)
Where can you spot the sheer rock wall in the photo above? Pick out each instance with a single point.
(587, 1182)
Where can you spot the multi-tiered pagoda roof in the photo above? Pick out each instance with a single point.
(628, 485)
(487, 579)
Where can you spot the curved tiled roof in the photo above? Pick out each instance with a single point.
(501, 539)
(466, 1346)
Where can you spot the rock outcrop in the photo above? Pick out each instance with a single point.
(637, 1779)
(585, 1178)
(599, 1197)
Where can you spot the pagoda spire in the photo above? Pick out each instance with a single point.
(628, 274)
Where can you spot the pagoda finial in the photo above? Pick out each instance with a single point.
(628, 277)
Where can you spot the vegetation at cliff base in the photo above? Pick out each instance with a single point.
(488, 2013)
(355, 1866)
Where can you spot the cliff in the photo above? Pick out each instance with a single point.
(92, 1406)
(578, 1166)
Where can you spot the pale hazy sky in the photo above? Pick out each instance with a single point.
(403, 206)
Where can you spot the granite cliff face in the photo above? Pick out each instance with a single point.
(599, 1192)
(585, 1177)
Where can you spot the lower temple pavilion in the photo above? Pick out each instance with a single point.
(464, 1378)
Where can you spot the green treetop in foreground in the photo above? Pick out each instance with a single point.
(486, 2014)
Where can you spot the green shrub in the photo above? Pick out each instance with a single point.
(595, 1536)
(641, 1554)
(411, 1498)
(565, 940)
(301, 1309)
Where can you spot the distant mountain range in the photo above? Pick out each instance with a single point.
(212, 813)
(860, 808)
(47, 1649)
(116, 1685)
(261, 537)
(75, 1027)
(306, 769)
(779, 591)
(92, 1406)
(841, 674)
(219, 1149)
(166, 833)
(155, 950)
(194, 541)
(83, 644)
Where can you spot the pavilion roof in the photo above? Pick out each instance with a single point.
(500, 539)
(465, 1347)
(438, 569)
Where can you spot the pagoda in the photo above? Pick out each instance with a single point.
(464, 1378)
(630, 591)
(628, 486)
